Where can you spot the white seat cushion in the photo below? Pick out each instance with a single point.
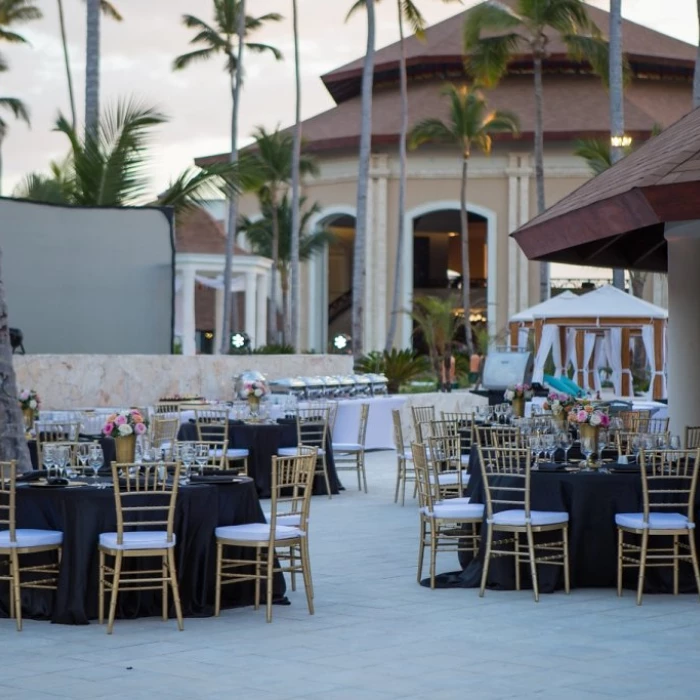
(31, 538)
(657, 521)
(255, 532)
(408, 456)
(347, 447)
(290, 520)
(292, 452)
(537, 517)
(464, 459)
(445, 509)
(450, 478)
(146, 539)
(237, 453)
(455, 501)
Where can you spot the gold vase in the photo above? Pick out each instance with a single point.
(28, 415)
(586, 430)
(518, 405)
(125, 448)
(254, 406)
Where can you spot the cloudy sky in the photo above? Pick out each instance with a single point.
(138, 52)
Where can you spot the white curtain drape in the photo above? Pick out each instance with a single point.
(648, 338)
(237, 283)
(613, 349)
(556, 354)
(588, 346)
(523, 337)
(600, 360)
(571, 350)
(549, 335)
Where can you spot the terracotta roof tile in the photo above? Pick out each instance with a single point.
(196, 231)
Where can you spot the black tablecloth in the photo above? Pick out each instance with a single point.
(592, 499)
(263, 440)
(83, 513)
(109, 451)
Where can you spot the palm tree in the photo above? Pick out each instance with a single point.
(470, 125)
(228, 38)
(92, 62)
(111, 169)
(521, 27)
(20, 111)
(296, 186)
(407, 11)
(274, 157)
(276, 222)
(358, 272)
(16, 12)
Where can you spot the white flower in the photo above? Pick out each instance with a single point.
(595, 419)
(32, 404)
(509, 395)
(258, 392)
(125, 430)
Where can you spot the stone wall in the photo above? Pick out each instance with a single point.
(70, 381)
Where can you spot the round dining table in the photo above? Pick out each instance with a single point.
(83, 512)
(262, 440)
(591, 499)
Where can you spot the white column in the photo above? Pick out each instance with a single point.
(513, 248)
(379, 273)
(369, 310)
(251, 310)
(218, 319)
(262, 286)
(188, 314)
(524, 274)
(683, 325)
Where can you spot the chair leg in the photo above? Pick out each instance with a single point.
(676, 552)
(115, 591)
(257, 578)
(325, 476)
(307, 563)
(306, 573)
(175, 588)
(16, 596)
(164, 589)
(398, 481)
(269, 574)
(292, 569)
(567, 573)
(217, 595)
(642, 566)
(620, 543)
(433, 553)
(516, 547)
(101, 593)
(421, 549)
(359, 473)
(533, 563)
(694, 559)
(487, 560)
(361, 458)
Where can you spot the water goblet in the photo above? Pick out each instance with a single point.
(186, 451)
(588, 447)
(96, 460)
(48, 455)
(565, 443)
(83, 454)
(535, 448)
(548, 446)
(602, 444)
(201, 456)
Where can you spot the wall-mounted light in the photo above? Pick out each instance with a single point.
(240, 341)
(620, 141)
(341, 342)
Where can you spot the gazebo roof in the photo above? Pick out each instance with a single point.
(196, 231)
(617, 218)
(600, 305)
(555, 302)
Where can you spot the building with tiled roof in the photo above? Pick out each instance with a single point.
(501, 187)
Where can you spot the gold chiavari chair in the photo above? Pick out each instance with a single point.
(653, 426)
(54, 431)
(498, 436)
(443, 428)
(465, 426)
(145, 505)
(292, 485)
(312, 431)
(212, 427)
(443, 524)
(669, 483)
(351, 456)
(445, 457)
(692, 437)
(630, 419)
(16, 542)
(631, 443)
(167, 408)
(404, 460)
(422, 415)
(506, 474)
(163, 430)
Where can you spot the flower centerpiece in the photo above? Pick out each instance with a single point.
(560, 405)
(588, 419)
(30, 403)
(124, 427)
(517, 395)
(253, 390)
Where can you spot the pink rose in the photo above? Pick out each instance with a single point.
(604, 420)
(140, 428)
(120, 420)
(582, 416)
(108, 429)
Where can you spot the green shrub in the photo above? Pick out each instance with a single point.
(399, 366)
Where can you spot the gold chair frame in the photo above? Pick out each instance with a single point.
(354, 460)
(404, 473)
(160, 483)
(421, 415)
(659, 467)
(445, 458)
(312, 431)
(692, 437)
(54, 431)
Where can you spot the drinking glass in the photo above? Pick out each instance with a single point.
(588, 447)
(187, 457)
(96, 460)
(48, 455)
(535, 448)
(548, 446)
(201, 456)
(602, 444)
(636, 444)
(61, 459)
(565, 443)
(83, 455)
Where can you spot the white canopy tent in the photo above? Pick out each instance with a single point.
(597, 328)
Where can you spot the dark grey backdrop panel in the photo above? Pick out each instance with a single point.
(88, 280)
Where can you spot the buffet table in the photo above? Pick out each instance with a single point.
(83, 513)
(380, 428)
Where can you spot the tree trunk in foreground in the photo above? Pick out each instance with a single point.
(539, 163)
(466, 278)
(293, 330)
(66, 60)
(92, 68)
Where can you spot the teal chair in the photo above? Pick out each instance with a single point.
(574, 389)
(556, 384)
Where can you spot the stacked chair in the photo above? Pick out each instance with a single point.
(351, 456)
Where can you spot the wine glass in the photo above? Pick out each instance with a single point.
(186, 451)
(61, 459)
(602, 444)
(83, 455)
(548, 446)
(48, 455)
(535, 448)
(588, 447)
(201, 456)
(96, 460)
(565, 443)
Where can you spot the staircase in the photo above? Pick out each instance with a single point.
(339, 306)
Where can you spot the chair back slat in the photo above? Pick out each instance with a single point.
(8, 488)
(630, 419)
(164, 429)
(443, 428)
(362, 430)
(498, 436)
(692, 437)
(312, 425)
(465, 426)
(669, 480)
(426, 481)
(513, 463)
(212, 424)
(145, 497)
(445, 457)
(399, 443)
(422, 415)
(292, 486)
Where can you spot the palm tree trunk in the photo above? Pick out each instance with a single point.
(617, 116)
(292, 336)
(464, 226)
(398, 266)
(3, 131)
(539, 162)
(284, 283)
(92, 68)
(272, 334)
(696, 78)
(66, 59)
(236, 80)
(359, 272)
(13, 442)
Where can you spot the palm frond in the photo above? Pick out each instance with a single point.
(358, 5)
(194, 186)
(413, 16)
(502, 121)
(565, 16)
(186, 59)
(430, 130)
(253, 23)
(12, 37)
(487, 17)
(595, 152)
(17, 107)
(594, 50)
(264, 48)
(109, 10)
(42, 188)
(487, 60)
